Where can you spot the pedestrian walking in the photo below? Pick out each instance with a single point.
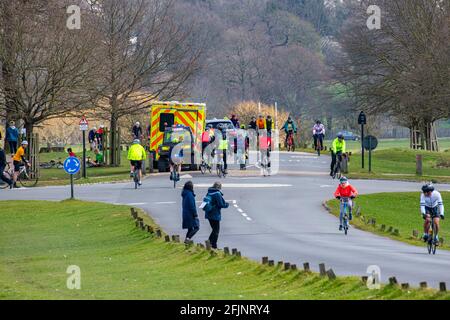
(92, 138)
(213, 203)
(190, 216)
(12, 136)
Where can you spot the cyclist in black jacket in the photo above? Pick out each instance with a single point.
(3, 164)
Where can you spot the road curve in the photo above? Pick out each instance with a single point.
(280, 216)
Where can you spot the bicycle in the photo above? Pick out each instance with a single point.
(431, 244)
(290, 142)
(136, 177)
(318, 144)
(337, 174)
(345, 207)
(265, 162)
(26, 177)
(220, 168)
(205, 166)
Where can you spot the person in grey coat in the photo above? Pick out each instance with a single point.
(190, 216)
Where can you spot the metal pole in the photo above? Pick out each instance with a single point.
(370, 155)
(71, 187)
(84, 154)
(362, 146)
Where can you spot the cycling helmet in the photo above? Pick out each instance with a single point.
(343, 180)
(340, 136)
(136, 141)
(24, 143)
(428, 188)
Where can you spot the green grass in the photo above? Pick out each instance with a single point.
(94, 175)
(39, 240)
(383, 144)
(398, 210)
(399, 164)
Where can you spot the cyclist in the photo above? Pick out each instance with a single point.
(177, 157)
(337, 150)
(289, 128)
(206, 140)
(19, 160)
(3, 164)
(264, 148)
(318, 134)
(345, 190)
(223, 147)
(431, 207)
(136, 154)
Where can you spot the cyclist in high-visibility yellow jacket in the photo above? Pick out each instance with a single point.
(337, 149)
(136, 154)
(223, 147)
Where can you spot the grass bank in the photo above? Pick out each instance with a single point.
(40, 240)
(397, 210)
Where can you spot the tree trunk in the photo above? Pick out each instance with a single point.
(112, 141)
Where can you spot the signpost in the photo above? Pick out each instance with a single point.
(72, 166)
(84, 126)
(362, 120)
(370, 143)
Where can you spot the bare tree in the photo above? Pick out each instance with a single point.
(143, 55)
(44, 64)
(403, 69)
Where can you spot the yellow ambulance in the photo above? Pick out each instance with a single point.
(170, 114)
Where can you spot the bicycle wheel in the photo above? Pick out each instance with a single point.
(203, 168)
(319, 147)
(430, 246)
(346, 225)
(27, 178)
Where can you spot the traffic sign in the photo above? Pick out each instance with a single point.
(72, 165)
(84, 124)
(362, 119)
(370, 143)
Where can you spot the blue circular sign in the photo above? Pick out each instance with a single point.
(72, 165)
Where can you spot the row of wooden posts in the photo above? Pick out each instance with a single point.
(286, 266)
(389, 229)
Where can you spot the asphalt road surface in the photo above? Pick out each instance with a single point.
(279, 216)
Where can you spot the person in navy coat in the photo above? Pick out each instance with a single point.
(190, 216)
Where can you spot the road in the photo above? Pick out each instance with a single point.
(279, 216)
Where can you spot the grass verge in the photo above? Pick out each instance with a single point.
(40, 240)
(397, 210)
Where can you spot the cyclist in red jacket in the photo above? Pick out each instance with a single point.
(345, 190)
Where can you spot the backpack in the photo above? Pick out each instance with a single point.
(207, 204)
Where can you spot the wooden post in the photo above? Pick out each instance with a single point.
(419, 167)
(271, 263)
(396, 232)
(364, 279)
(306, 267)
(234, 251)
(442, 287)
(226, 251)
(167, 239)
(293, 267)
(383, 228)
(393, 281)
(280, 263)
(423, 285)
(158, 233)
(323, 271)
(405, 286)
(287, 266)
(238, 254)
(265, 260)
(331, 274)
(390, 229)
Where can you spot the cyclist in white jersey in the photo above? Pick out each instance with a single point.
(318, 133)
(431, 207)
